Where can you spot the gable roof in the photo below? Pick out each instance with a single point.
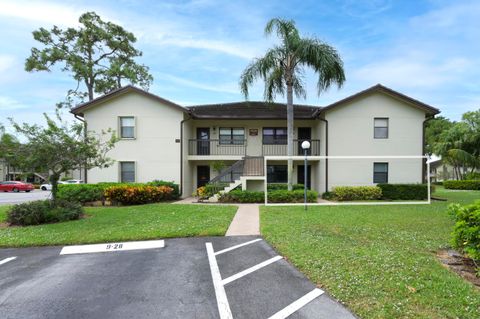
(124, 89)
(383, 89)
(251, 110)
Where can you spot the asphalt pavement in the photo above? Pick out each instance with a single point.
(10, 198)
(208, 277)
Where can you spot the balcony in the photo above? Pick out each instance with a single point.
(213, 147)
(200, 147)
(281, 149)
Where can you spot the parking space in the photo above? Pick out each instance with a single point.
(10, 198)
(175, 281)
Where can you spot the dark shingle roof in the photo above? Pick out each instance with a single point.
(251, 110)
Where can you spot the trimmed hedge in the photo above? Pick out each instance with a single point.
(83, 193)
(137, 195)
(276, 196)
(404, 191)
(464, 185)
(283, 186)
(43, 211)
(348, 193)
(466, 234)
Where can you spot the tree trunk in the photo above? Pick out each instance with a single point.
(54, 181)
(290, 134)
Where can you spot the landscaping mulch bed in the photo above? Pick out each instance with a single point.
(460, 264)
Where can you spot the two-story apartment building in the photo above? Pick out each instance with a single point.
(160, 139)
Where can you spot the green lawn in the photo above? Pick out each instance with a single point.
(378, 260)
(107, 224)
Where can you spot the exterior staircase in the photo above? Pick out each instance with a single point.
(236, 175)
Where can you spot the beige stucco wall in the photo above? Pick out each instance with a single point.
(351, 129)
(154, 149)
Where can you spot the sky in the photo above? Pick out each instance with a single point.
(196, 50)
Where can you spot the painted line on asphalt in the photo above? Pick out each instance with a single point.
(296, 305)
(250, 270)
(6, 260)
(236, 246)
(112, 247)
(222, 301)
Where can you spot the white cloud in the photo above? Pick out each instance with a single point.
(40, 11)
(6, 62)
(223, 88)
(9, 104)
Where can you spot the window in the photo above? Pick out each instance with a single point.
(380, 127)
(275, 135)
(380, 172)
(127, 172)
(232, 135)
(277, 174)
(127, 127)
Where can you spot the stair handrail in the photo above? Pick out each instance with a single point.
(227, 170)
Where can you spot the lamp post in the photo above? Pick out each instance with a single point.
(306, 147)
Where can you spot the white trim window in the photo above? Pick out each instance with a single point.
(127, 127)
(380, 173)
(232, 136)
(127, 172)
(380, 127)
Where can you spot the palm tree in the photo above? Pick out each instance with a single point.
(282, 69)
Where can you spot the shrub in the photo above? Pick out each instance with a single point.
(43, 211)
(295, 196)
(277, 196)
(465, 185)
(283, 186)
(81, 193)
(347, 193)
(212, 189)
(136, 195)
(466, 234)
(328, 196)
(404, 191)
(201, 192)
(239, 196)
(472, 176)
(176, 190)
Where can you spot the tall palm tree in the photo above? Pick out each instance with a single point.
(282, 69)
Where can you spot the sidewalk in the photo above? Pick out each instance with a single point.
(246, 221)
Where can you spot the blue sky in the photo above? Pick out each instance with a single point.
(197, 49)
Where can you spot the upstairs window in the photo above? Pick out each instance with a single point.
(232, 136)
(274, 135)
(380, 173)
(380, 127)
(127, 172)
(127, 127)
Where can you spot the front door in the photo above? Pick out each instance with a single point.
(203, 141)
(301, 175)
(304, 133)
(203, 175)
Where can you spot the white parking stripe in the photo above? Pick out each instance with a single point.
(6, 260)
(237, 246)
(299, 303)
(250, 270)
(222, 301)
(109, 247)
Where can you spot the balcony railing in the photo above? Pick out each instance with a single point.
(281, 149)
(213, 147)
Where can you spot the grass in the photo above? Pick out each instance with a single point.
(378, 260)
(110, 224)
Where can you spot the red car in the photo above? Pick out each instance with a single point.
(15, 187)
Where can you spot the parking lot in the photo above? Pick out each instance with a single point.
(10, 198)
(219, 277)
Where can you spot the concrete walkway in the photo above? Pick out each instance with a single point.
(246, 221)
